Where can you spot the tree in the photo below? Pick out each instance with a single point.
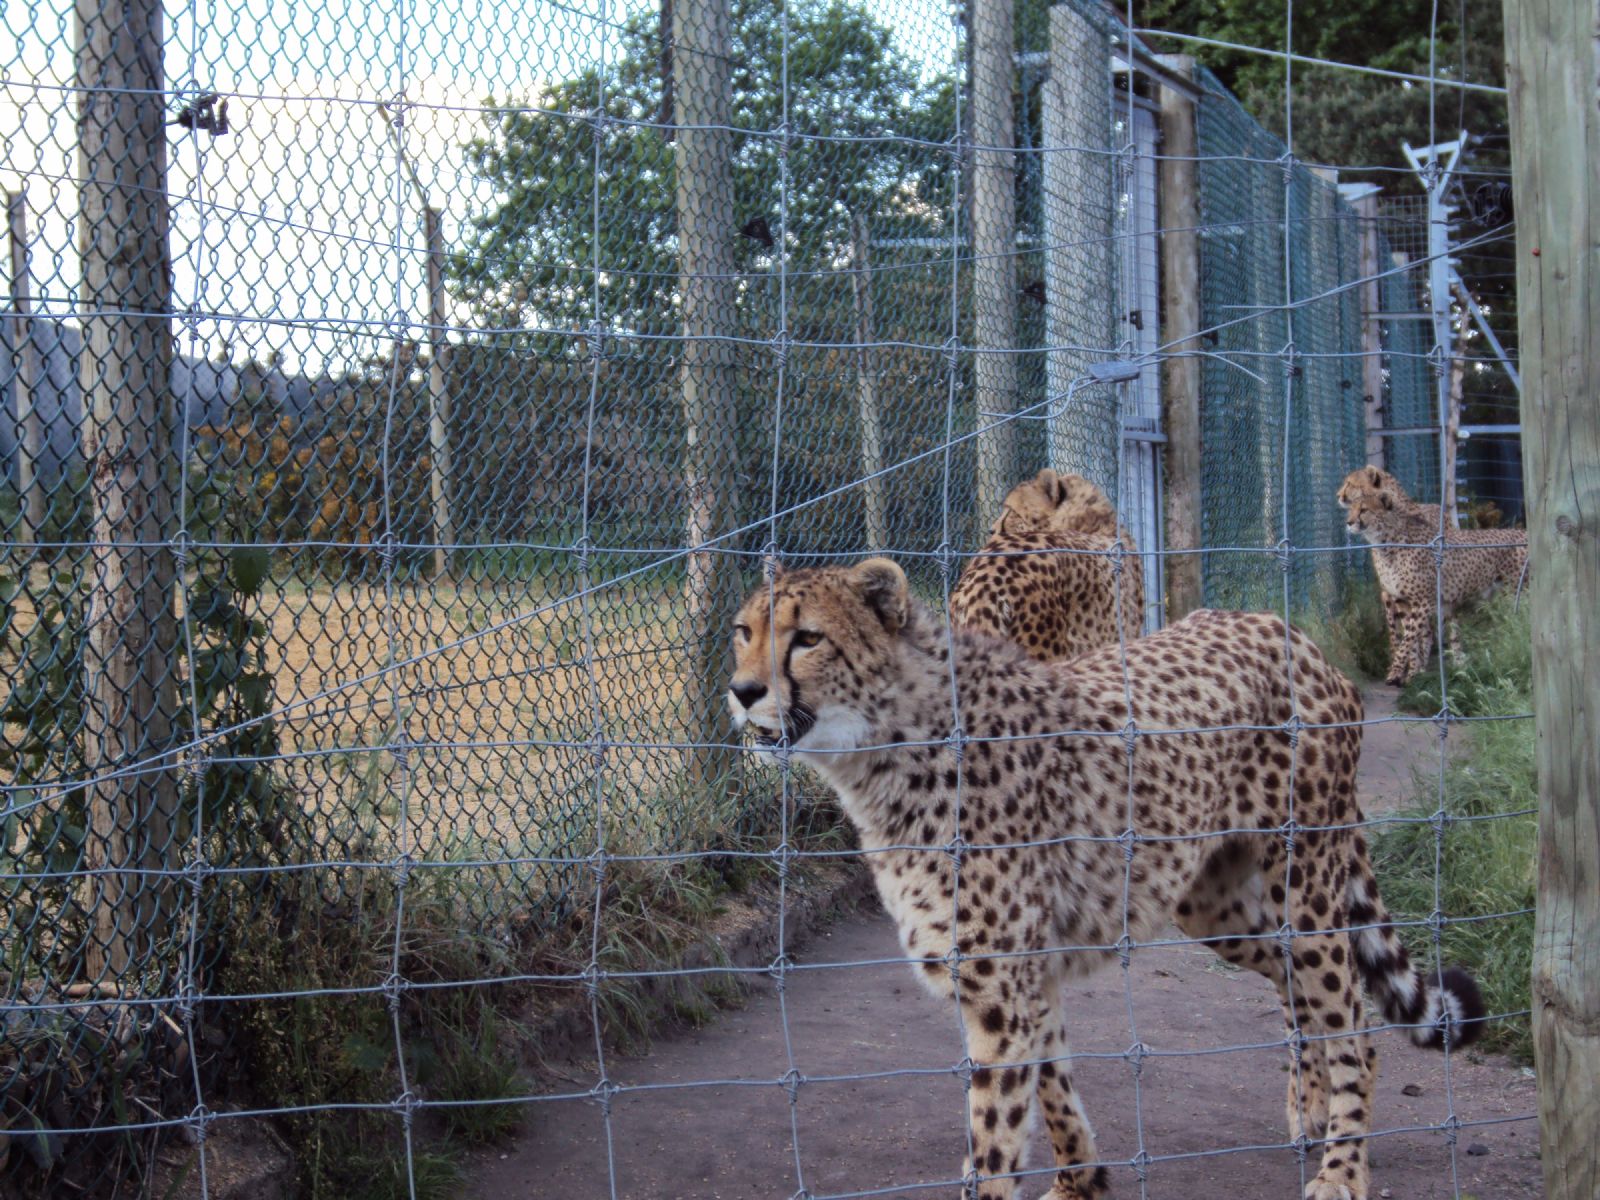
(528, 262)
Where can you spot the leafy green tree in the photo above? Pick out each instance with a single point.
(528, 261)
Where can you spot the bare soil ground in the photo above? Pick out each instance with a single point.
(705, 1114)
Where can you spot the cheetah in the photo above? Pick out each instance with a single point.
(1051, 578)
(1403, 557)
(995, 840)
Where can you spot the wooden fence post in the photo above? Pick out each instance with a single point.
(444, 530)
(994, 249)
(30, 430)
(867, 389)
(701, 70)
(1180, 327)
(130, 642)
(1553, 61)
(1371, 327)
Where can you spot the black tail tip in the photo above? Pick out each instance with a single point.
(1469, 1001)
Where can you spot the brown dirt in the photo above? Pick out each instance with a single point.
(1203, 1116)
(704, 1115)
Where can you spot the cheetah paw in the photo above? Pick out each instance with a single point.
(1323, 1189)
(1081, 1185)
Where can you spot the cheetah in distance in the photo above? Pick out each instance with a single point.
(857, 674)
(1049, 578)
(1474, 563)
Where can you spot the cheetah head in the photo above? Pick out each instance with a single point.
(810, 653)
(1364, 480)
(1058, 503)
(1368, 512)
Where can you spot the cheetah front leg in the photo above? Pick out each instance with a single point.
(1002, 1041)
(1071, 1138)
(1416, 643)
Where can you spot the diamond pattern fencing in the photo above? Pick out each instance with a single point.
(401, 398)
(1280, 422)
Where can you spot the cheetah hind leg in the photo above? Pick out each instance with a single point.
(1071, 1137)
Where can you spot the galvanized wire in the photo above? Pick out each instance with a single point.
(431, 575)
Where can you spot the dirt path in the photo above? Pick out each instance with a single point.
(1208, 1099)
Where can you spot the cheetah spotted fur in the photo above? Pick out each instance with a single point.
(1474, 562)
(856, 674)
(1050, 577)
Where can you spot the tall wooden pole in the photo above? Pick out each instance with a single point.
(1180, 325)
(1553, 63)
(30, 431)
(444, 530)
(994, 248)
(701, 69)
(867, 390)
(124, 375)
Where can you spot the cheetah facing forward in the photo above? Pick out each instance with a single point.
(1049, 578)
(1473, 564)
(858, 675)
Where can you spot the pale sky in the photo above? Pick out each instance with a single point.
(295, 215)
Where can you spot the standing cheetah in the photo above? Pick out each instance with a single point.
(1472, 562)
(1051, 577)
(994, 847)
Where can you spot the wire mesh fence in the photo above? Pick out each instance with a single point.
(401, 402)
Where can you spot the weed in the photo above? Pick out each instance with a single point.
(1355, 640)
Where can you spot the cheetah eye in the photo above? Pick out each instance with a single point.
(741, 633)
(807, 638)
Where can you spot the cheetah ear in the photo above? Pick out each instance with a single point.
(881, 584)
(1374, 477)
(1052, 486)
(1386, 499)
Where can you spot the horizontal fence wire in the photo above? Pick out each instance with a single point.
(399, 403)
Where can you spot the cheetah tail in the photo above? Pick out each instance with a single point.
(1420, 1000)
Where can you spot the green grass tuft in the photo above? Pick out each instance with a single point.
(1355, 640)
(1485, 866)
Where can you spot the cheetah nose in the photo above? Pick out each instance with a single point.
(748, 693)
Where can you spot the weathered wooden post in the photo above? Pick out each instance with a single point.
(994, 249)
(701, 69)
(1553, 62)
(444, 529)
(130, 643)
(867, 389)
(30, 430)
(1180, 325)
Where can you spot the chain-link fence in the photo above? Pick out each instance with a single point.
(400, 399)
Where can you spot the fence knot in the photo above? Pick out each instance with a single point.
(406, 1104)
(1437, 545)
(1451, 1128)
(396, 107)
(771, 562)
(956, 848)
(1284, 552)
(953, 958)
(599, 118)
(186, 1000)
(401, 865)
(604, 1091)
(778, 970)
(387, 550)
(1287, 163)
(1140, 1163)
(1117, 554)
(1291, 361)
(963, 1070)
(781, 341)
(181, 544)
(957, 741)
(1436, 921)
(1284, 936)
(583, 550)
(1130, 736)
(945, 556)
(198, 1122)
(1127, 839)
(1291, 730)
(197, 870)
(790, 1082)
(952, 354)
(395, 985)
(1124, 946)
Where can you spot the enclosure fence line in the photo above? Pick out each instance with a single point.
(178, 753)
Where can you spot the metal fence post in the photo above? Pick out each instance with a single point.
(1553, 60)
(130, 643)
(1371, 327)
